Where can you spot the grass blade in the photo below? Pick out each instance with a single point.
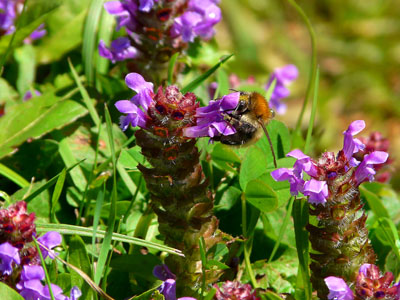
(13, 176)
(48, 184)
(100, 234)
(86, 99)
(195, 83)
(56, 195)
(313, 112)
(96, 217)
(106, 246)
(48, 282)
(90, 37)
(171, 66)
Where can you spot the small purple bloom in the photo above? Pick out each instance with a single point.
(120, 49)
(28, 95)
(168, 289)
(283, 77)
(50, 240)
(363, 269)
(30, 286)
(198, 20)
(135, 108)
(338, 289)
(7, 16)
(8, 255)
(211, 119)
(125, 11)
(365, 170)
(36, 34)
(317, 191)
(352, 145)
(303, 163)
(146, 5)
(296, 180)
(75, 293)
(162, 272)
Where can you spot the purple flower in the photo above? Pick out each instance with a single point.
(29, 95)
(338, 289)
(211, 119)
(303, 163)
(283, 76)
(168, 287)
(135, 108)
(296, 180)
(120, 49)
(50, 240)
(30, 285)
(162, 272)
(146, 5)
(36, 34)
(350, 144)
(8, 255)
(364, 268)
(317, 191)
(198, 20)
(365, 170)
(125, 11)
(7, 16)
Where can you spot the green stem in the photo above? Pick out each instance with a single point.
(247, 244)
(44, 268)
(313, 65)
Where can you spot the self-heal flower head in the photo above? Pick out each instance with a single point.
(120, 49)
(282, 77)
(9, 255)
(211, 119)
(136, 108)
(338, 289)
(50, 240)
(365, 170)
(7, 16)
(235, 290)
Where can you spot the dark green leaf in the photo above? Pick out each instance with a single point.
(259, 194)
(253, 166)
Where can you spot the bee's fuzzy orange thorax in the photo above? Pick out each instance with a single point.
(260, 107)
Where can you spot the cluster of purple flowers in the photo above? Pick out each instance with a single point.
(179, 23)
(168, 287)
(328, 167)
(370, 284)
(19, 260)
(9, 11)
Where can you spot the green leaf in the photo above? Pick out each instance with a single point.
(253, 166)
(223, 83)
(25, 57)
(8, 293)
(300, 218)
(171, 67)
(313, 112)
(199, 80)
(280, 138)
(260, 195)
(80, 259)
(389, 235)
(34, 118)
(374, 202)
(140, 265)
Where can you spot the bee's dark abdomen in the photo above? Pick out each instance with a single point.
(244, 133)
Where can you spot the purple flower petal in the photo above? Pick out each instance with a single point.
(146, 5)
(296, 181)
(32, 272)
(28, 95)
(31, 289)
(350, 144)
(143, 89)
(363, 269)
(365, 170)
(120, 49)
(75, 293)
(303, 163)
(162, 272)
(168, 289)
(50, 240)
(317, 191)
(338, 289)
(8, 255)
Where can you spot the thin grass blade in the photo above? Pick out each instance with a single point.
(56, 195)
(13, 176)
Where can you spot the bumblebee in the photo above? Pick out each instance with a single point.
(249, 119)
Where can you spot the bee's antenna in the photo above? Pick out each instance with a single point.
(234, 90)
(270, 143)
